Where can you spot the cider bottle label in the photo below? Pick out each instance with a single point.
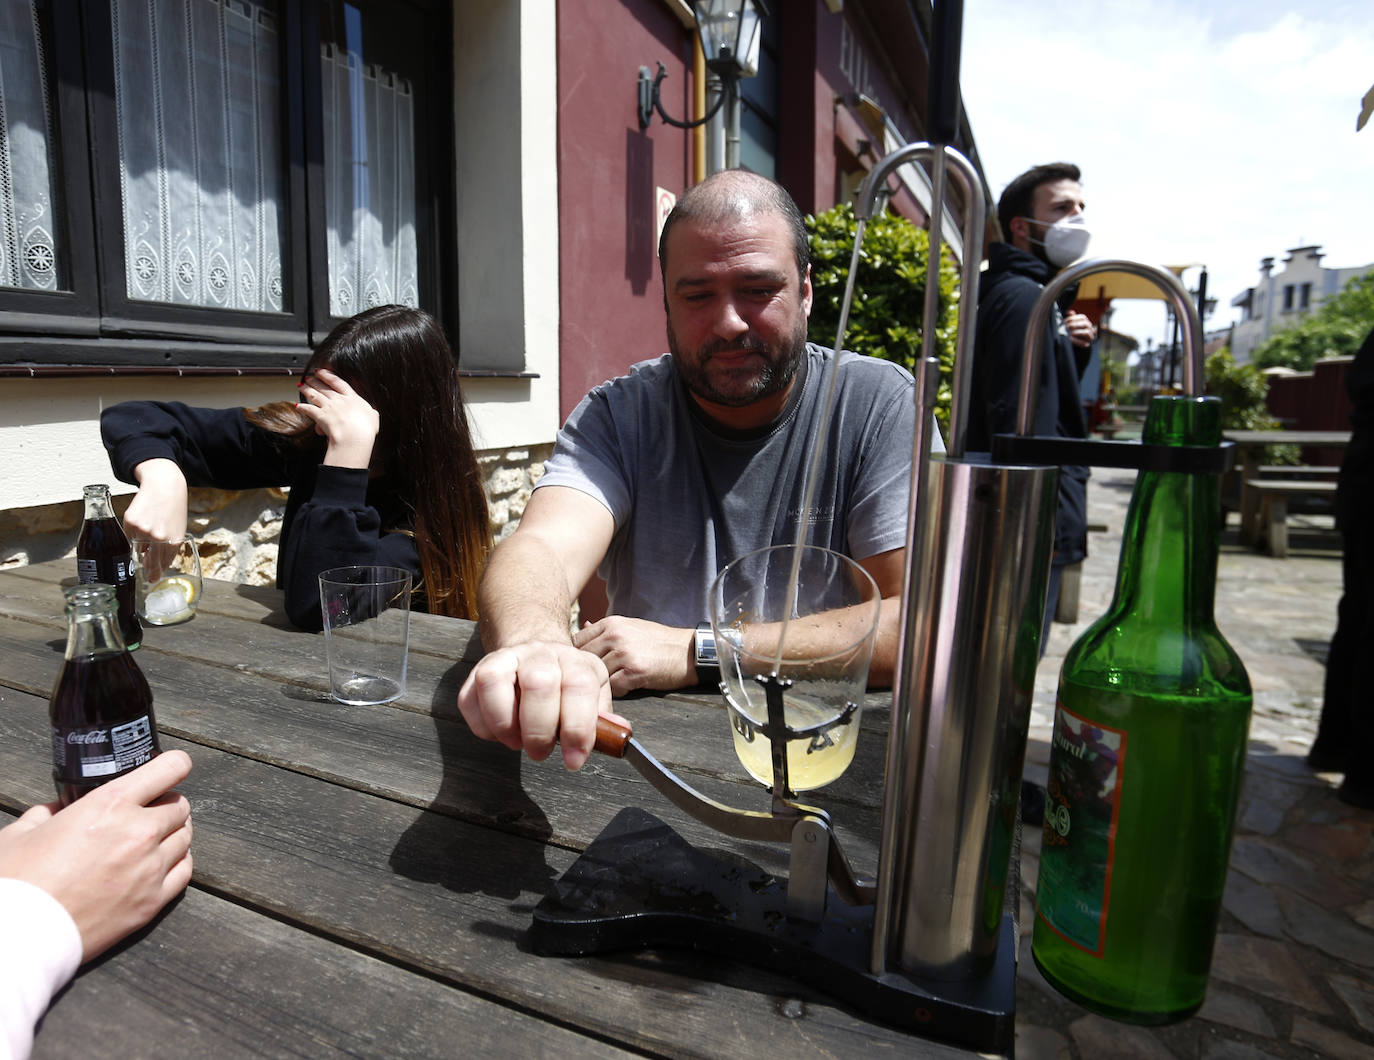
(1078, 850)
(96, 751)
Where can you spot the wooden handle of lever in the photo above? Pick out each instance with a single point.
(611, 737)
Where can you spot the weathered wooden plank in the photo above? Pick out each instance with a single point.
(454, 900)
(271, 648)
(214, 980)
(431, 761)
(688, 730)
(449, 639)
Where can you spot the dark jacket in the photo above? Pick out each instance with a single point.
(334, 515)
(1009, 288)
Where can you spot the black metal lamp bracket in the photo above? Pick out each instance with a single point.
(649, 101)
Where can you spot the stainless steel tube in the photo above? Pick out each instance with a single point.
(966, 696)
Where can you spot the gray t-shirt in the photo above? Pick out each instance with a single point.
(687, 497)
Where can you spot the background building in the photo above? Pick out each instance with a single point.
(1281, 299)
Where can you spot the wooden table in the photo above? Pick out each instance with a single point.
(365, 876)
(1252, 445)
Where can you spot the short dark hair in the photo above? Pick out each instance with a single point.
(1019, 196)
(734, 193)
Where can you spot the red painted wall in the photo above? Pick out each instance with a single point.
(611, 296)
(610, 299)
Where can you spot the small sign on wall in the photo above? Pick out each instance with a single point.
(664, 201)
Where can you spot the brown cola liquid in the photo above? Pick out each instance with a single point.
(102, 722)
(103, 555)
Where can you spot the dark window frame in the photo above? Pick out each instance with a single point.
(96, 325)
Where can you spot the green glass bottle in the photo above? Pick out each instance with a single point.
(1146, 758)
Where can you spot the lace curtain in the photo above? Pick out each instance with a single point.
(369, 151)
(197, 97)
(198, 104)
(29, 256)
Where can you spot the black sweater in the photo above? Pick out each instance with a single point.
(1012, 283)
(334, 515)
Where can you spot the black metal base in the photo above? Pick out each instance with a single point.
(641, 884)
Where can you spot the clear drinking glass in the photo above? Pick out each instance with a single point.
(810, 615)
(366, 632)
(167, 582)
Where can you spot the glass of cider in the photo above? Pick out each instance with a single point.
(801, 619)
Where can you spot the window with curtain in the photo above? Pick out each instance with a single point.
(240, 174)
(369, 162)
(202, 177)
(30, 257)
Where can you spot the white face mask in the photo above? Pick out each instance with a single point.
(1065, 241)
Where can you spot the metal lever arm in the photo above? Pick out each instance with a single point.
(618, 741)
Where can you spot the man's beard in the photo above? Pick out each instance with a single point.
(747, 383)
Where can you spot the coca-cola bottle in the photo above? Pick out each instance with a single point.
(103, 555)
(101, 707)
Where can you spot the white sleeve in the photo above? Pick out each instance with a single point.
(41, 951)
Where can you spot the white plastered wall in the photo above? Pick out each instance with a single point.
(506, 110)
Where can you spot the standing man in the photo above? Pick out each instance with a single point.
(1345, 734)
(664, 475)
(1041, 214)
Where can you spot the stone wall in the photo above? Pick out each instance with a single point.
(237, 531)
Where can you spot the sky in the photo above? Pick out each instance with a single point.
(1214, 133)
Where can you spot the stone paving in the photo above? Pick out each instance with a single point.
(1293, 969)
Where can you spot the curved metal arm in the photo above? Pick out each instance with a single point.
(974, 220)
(1165, 280)
(649, 101)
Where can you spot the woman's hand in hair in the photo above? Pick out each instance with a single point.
(341, 415)
(158, 510)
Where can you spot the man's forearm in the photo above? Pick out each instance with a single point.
(524, 595)
(884, 666)
(827, 634)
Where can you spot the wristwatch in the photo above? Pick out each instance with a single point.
(708, 663)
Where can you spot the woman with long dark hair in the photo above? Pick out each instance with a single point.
(377, 454)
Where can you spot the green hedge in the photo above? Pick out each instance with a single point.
(1242, 389)
(889, 296)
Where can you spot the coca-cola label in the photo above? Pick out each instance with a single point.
(102, 751)
(88, 571)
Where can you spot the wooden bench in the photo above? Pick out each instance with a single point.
(1271, 521)
(1234, 499)
(1299, 471)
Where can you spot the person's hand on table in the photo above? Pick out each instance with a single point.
(158, 510)
(342, 417)
(532, 695)
(113, 858)
(1081, 330)
(640, 654)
